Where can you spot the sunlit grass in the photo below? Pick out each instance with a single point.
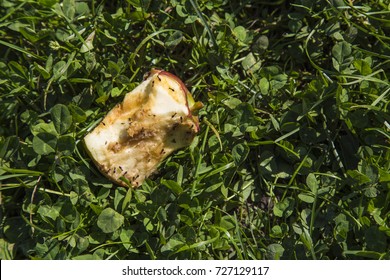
(292, 160)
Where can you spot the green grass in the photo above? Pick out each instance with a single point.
(292, 161)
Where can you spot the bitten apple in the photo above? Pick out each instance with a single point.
(155, 119)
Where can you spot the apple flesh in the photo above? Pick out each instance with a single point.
(155, 119)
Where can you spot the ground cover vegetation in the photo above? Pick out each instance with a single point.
(292, 159)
